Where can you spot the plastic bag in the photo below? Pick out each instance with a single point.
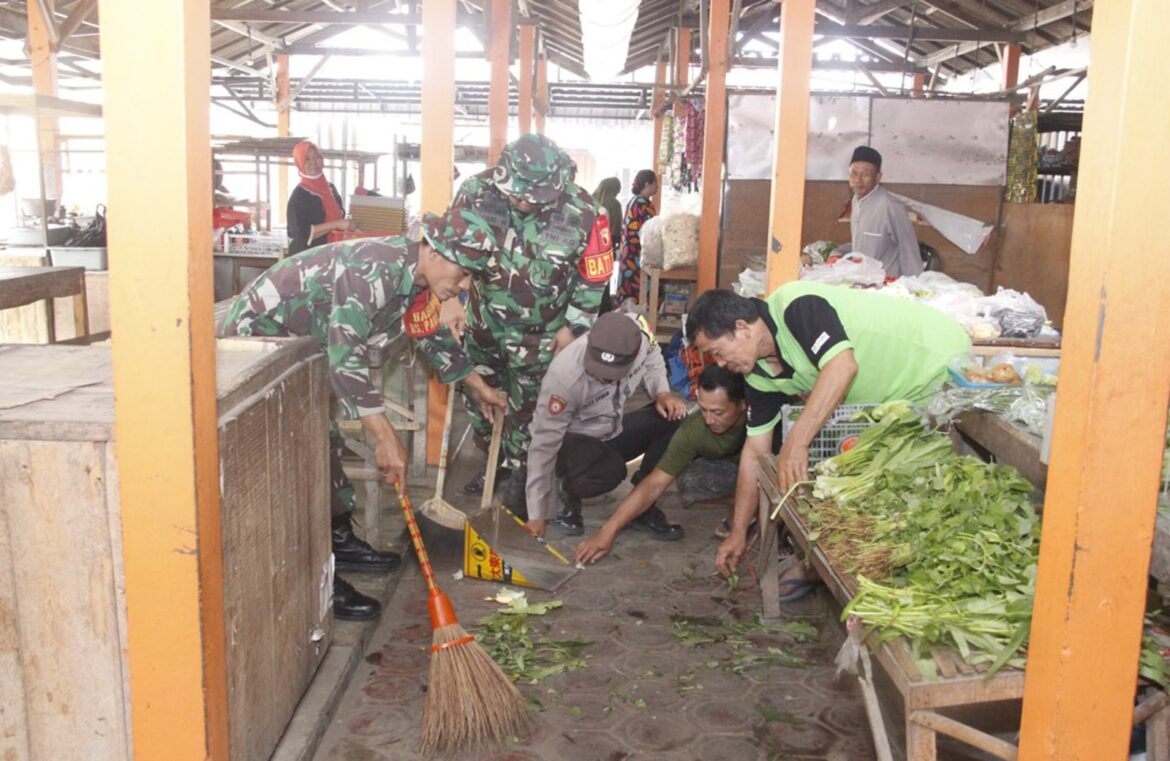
(851, 269)
(751, 283)
(1018, 314)
(94, 235)
(651, 237)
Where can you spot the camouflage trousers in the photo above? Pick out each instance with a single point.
(497, 362)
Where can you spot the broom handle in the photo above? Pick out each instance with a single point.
(420, 549)
(493, 459)
(442, 479)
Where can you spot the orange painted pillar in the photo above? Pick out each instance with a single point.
(541, 106)
(790, 152)
(714, 131)
(1011, 65)
(1108, 438)
(41, 34)
(500, 54)
(527, 48)
(283, 129)
(658, 100)
(164, 373)
(919, 84)
(436, 154)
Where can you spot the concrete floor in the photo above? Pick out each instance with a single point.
(643, 693)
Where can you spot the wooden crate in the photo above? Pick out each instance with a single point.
(955, 683)
(64, 689)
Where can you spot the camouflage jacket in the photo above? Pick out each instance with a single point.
(349, 295)
(552, 267)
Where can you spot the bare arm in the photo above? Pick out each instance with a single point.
(830, 388)
(389, 452)
(648, 490)
(747, 502)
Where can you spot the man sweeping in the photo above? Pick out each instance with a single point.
(351, 295)
(553, 261)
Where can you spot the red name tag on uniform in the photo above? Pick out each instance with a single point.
(422, 318)
(597, 262)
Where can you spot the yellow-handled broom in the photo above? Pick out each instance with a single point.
(469, 701)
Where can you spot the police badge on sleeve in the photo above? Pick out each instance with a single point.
(556, 405)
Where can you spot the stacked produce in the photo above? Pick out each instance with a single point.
(943, 545)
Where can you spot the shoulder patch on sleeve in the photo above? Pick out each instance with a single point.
(556, 405)
(422, 318)
(596, 266)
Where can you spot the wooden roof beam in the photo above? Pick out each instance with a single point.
(259, 16)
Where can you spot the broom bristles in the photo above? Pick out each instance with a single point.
(470, 701)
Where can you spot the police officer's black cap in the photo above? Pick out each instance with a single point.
(613, 346)
(865, 153)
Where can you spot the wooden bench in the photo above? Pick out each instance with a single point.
(955, 684)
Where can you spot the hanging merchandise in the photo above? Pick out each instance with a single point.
(694, 139)
(678, 155)
(1022, 159)
(665, 145)
(7, 180)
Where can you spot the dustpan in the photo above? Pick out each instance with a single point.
(497, 546)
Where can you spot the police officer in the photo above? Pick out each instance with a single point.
(553, 262)
(349, 295)
(582, 439)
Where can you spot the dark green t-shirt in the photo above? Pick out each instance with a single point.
(694, 439)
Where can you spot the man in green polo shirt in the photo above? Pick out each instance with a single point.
(710, 437)
(829, 344)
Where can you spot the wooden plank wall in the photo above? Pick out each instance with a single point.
(1035, 241)
(275, 533)
(63, 627)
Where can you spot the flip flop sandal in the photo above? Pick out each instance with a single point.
(723, 530)
(800, 589)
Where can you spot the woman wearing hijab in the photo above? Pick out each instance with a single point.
(314, 207)
(638, 211)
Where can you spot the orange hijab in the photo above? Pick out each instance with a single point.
(318, 185)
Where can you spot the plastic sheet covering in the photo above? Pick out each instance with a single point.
(1023, 404)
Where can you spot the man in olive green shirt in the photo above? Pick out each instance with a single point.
(709, 440)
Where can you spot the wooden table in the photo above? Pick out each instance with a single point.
(1007, 442)
(26, 285)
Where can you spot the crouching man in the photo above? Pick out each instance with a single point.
(581, 437)
(702, 456)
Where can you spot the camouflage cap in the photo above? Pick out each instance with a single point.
(532, 168)
(460, 236)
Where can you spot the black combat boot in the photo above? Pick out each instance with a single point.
(351, 605)
(350, 553)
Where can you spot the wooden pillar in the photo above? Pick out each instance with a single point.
(42, 35)
(283, 124)
(1104, 473)
(656, 107)
(714, 130)
(527, 49)
(919, 84)
(499, 53)
(1011, 65)
(541, 105)
(682, 63)
(790, 152)
(164, 373)
(436, 154)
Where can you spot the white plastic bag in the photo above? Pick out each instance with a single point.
(650, 236)
(1017, 314)
(851, 269)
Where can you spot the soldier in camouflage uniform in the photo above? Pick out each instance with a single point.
(553, 262)
(349, 295)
